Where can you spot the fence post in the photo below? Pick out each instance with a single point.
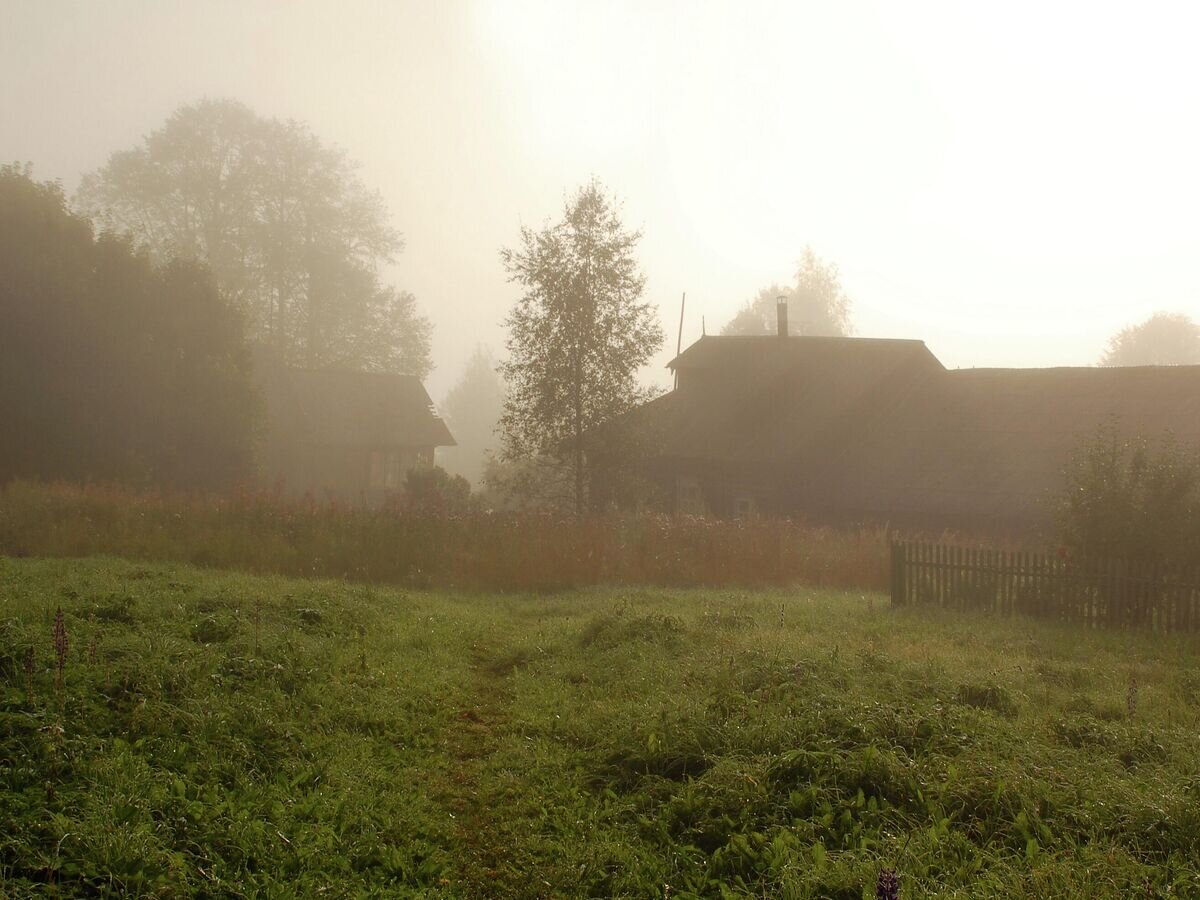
(895, 586)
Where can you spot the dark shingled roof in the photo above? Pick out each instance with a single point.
(772, 398)
(336, 407)
(724, 350)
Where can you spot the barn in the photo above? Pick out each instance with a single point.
(841, 430)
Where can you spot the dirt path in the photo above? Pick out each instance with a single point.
(485, 868)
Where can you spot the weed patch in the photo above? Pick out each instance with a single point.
(991, 697)
(610, 630)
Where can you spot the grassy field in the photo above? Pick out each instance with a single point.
(229, 735)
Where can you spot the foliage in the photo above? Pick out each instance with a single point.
(432, 491)
(536, 483)
(1165, 339)
(294, 239)
(472, 410)
(112, 367)
(333, 739)
(1128, 498)
(817, 305)
(577, 336)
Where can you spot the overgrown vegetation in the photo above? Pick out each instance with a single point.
(1131, 498)
(474, 549)
(219, 734)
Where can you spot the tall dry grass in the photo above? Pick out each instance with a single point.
(260, 532)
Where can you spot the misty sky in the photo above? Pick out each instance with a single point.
(1010, 182)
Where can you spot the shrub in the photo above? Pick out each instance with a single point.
(433, 491)
(1128, 498)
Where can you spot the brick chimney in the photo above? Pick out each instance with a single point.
(781, 314)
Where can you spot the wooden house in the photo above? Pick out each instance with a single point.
(344, 435)
(855, 429)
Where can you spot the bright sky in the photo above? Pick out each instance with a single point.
(1010, 182)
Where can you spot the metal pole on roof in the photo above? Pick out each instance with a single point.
(679, 341)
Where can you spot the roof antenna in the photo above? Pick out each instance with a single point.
(703, 329)
(679, 341)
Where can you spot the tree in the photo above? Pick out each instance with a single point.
(1165, 339)
(472, 409)
(113, 367)
(817, 305)
(577, 335)
(1126, 497)
(293, 237)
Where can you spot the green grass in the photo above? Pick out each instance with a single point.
(629, 742)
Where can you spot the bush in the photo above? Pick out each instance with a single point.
(433, 491)
(1128, 498)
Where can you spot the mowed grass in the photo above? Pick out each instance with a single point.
(228, 735)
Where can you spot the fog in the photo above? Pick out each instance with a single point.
(1011, 184)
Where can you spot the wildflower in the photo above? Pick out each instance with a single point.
(887, 885)
(60, 644)
(29, 672)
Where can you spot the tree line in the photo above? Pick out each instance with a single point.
(115, 367)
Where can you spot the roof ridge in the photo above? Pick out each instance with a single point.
(793, 342)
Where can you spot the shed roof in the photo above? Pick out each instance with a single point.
(341, 407)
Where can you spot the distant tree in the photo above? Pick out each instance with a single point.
(817, 305)
(113, 367)
(1127, 497)
(472, 409)
(1165, 339)
(294, 239)
(577, 335)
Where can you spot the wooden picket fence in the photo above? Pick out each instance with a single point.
(1108, 593)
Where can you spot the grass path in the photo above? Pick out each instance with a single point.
(483, 865)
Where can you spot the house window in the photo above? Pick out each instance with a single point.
(689, 501)
(743, 506)
(385, 469)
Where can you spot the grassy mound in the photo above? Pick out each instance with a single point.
(218, 734)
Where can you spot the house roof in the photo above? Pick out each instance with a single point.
(341, 407)
(771, 399)
(724, 350)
